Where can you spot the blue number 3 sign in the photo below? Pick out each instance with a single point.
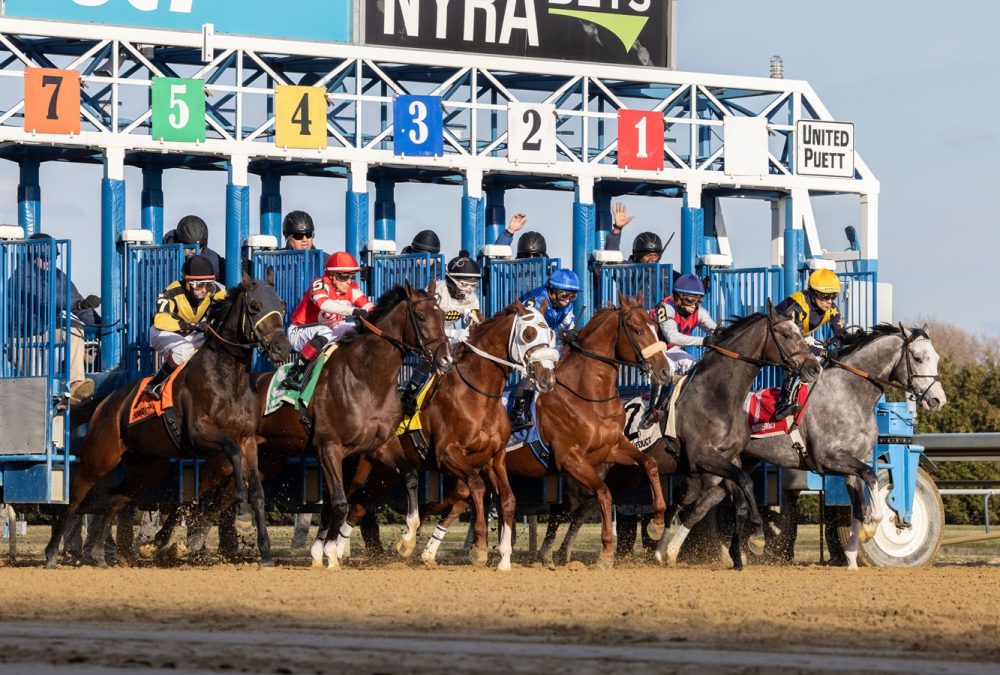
(417, 126)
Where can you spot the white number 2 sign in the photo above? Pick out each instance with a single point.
(531, 133)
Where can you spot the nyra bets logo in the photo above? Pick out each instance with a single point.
(180, 6)
(626, 27)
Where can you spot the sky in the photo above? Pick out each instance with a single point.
(918, 79)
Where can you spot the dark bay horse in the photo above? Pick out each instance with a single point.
(214, 404)
(838, 425)
(356, 406)
(582, 419)
(466, 424)
(711, 424)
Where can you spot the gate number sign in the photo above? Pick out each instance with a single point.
(300, 117)
(418, 126)
(640, 140)
(531, 133)
(51, 101)
(178, 110)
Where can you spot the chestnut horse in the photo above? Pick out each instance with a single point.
(465, 422)
(214, 405)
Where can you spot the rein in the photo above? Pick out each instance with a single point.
(785, 362)
(884, 385)
(421, 349)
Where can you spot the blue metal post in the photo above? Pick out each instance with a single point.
(794, 258)
(112, 297)
(709, 242)
(584, 231)
(357, 222)
(385, 209)
(692, 231)
(496, 212)
(602, 202)
(237, 229)
(473, 217)
(270, 205)
(152, 202)
(29, 198)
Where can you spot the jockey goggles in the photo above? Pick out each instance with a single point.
(465, 285)
(564, 295)
(344, 276)
(197, 284)
(300, 236)
(685, 299)
(830, 297)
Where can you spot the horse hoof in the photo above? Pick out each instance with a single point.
(756, 544)
(147, 551)
(406, 548)
(51, 564)
(477, 557)
(244, 524)
(654, 530)
(317, 564)
(265, 564)
(333, 565)
(868, 531)
(504, 566)
(605, 562)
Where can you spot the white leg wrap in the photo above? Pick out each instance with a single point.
(330, 551)
(344, 540)
(317, 551)
(430, 551)
(505, 550)
(851, 550)
(674, 547)
(412, 525)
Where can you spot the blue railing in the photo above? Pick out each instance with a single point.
(291, 273)
(386, 271)
(148, 271)
(507, 280)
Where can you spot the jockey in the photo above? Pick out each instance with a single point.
(560, 291)
(647, 247)
(181, 318)
(192, 230)
(677, 317)
(298, 230)
(458, 300)
(530, 245)
(426, 241)
(319, 317)
(813, 308)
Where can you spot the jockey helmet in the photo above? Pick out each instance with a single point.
(198, 268)
(646, 242)
(426, 241)
(689, 284)
(170, 237)
(342, 261)
(43, 236)
(463, 267)
(531, 245)
(192, 230)
(824, 281)
(564, 280)
(297, 222)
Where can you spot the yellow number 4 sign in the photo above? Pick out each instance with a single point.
(300, 117)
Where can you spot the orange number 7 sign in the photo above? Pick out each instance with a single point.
(51, 101)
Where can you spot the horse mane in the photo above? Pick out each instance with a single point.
(218, 311)
(852, 342)
(735, 325)
(601, 312)
(385, 304)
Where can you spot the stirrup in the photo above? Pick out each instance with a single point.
(649, 419)
(786, 411)
(154, 390)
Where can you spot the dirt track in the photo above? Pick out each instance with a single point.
(398, 618)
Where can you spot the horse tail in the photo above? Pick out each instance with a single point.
(83, 412)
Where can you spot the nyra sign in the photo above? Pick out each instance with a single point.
(824, 149)
(327, 20)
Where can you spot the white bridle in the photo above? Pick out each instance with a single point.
(525, 352)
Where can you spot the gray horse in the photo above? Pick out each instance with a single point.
(710, 427)
(838, 425)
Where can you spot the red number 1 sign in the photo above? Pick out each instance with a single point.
(640, 140)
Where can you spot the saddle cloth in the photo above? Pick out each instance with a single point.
(531, 438)
(671, 430)
(760, 406)
(145, 406)
(278, 396)
(413, 423)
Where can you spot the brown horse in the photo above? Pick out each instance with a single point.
(356, 406)
(466, 424)
(214, 405)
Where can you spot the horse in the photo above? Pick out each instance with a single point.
(582, 419)
(466, 424)
(215, 407)
(838, 425)
(711, 426)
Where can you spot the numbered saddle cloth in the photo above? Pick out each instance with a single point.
(413, 423)
(278, 395)
(531, 437)
(145, 406)
(760, 407)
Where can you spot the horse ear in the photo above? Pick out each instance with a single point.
(247, 279)
(621, 299)
(270, 276)
(432, 287)
(902, 331)
(638, 298)
(770, 308)
(518, 306)
(408, 288)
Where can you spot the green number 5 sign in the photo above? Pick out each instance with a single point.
(178, 110)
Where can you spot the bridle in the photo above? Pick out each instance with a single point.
(425, 350)
(521, 353)
(786, 360)
(641, 354)
(909, 387)
(261, 340)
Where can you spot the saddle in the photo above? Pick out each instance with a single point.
(278, 396)
(145, 407)
(532, 438)
(760, 407)
(411, 425)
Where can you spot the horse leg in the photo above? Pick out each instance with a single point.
(701, 498)
(735, 551)
(856, 491)
(716, 464)
(126, 535)
(458, 504)
(575, 465)
(479, 552)
(325, 520)
(576, 520)
(391, 454)
(628, 454)
(843, 463)
(331, 457)
(556, 514)
(256, 496)
(508, 505)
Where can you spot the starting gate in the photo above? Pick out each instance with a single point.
(506, 280)
(386, 271)
(35, 331)
(148, 270)
(291, 272)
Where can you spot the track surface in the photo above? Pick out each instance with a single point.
(398, 618)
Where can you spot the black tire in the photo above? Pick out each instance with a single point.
(916, 546)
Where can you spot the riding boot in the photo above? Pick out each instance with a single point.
(295, 379)
(521, 410)
(412, 389)
(785, 406)
(155, 387)
(652, 415)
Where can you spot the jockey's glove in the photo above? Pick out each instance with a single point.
(709, 340)
(188, 327)
(360, 313)
(569, 334)
(90, 302)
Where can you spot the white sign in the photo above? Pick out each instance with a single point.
(824, 149)
(531, 133)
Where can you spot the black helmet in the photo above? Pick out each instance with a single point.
(297, 222)
(170, 237)
(463, 267)
(198, 268)
(39, 235)
(192, 230)
(646, 242)
(426, 241)
(531, 245)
